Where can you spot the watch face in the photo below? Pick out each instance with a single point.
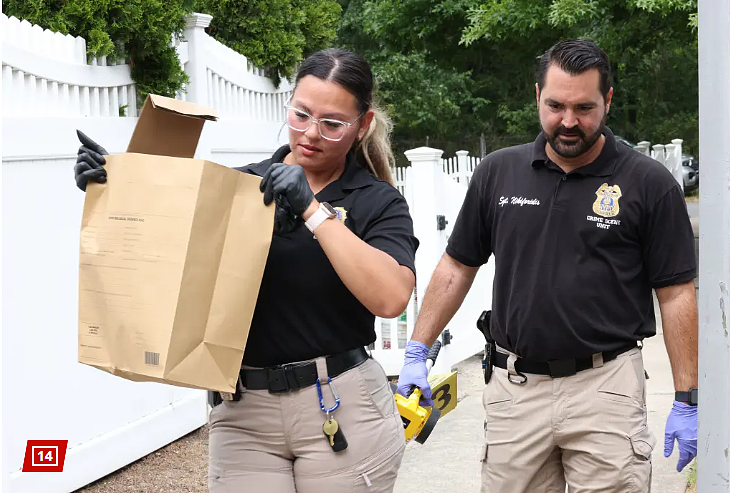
(693, 396)
(330, 210)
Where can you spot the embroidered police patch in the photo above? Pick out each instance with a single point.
(606, 203)
(341, 214)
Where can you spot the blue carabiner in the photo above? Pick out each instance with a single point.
(334, 393)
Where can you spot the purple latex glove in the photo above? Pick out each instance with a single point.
(682, 425)
(414, 372)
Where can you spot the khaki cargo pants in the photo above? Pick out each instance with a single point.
(274, 443)
(588, 431)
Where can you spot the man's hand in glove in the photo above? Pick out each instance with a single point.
(682, 426)
(414, 372)
(89, 162)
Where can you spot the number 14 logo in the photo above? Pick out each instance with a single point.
(45, 455)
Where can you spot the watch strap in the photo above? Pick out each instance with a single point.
(688, 397)
(316, 219)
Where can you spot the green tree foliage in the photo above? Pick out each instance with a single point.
(454, 69)
(140, 30)
(427, 86)
(273, 34)
(652, 45)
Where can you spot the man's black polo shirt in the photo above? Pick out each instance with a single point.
(304, 310)
(577, 254)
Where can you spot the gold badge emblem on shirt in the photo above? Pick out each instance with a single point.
(606, 203)
(341, 214)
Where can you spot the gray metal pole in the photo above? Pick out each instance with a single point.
(713, 459)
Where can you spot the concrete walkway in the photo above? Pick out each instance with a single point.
(449, 461)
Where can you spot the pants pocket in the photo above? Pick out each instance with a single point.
(624, 381)
(380, 474)
(376, 388)
(642, 446)
(496, 394)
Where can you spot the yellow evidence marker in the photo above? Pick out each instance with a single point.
(419, 421)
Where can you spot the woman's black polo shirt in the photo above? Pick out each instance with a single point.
(576, 255)
(304, 310)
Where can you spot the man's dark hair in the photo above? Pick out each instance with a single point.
(576, 56)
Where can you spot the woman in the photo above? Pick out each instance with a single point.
(314, 413)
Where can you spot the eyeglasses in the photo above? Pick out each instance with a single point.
(333, 130)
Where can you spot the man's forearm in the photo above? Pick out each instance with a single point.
(678, 306)
(446, 291)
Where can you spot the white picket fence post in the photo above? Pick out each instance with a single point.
(426, 182)
(197, 88)
(678, 161)
(673, 163)
(462, 161)
(425, 179)
(658, 153)
(644, 147)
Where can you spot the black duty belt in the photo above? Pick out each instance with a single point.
(558, 368)
(284, 378)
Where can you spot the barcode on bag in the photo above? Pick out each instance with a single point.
(151, 358)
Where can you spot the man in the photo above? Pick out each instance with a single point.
(582, 229)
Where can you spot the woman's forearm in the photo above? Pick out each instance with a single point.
(375, 278)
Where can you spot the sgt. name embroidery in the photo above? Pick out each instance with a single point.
(518, 201)
(606, 205)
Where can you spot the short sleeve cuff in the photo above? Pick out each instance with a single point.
(463, 259)
(689, 275)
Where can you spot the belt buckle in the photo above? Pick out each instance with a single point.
(560, 368)
(276, 378)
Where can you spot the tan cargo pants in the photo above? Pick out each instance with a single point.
(588, 431)
(274, 442)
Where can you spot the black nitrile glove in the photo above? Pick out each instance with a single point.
(289, 182)
(89, 162)
(284, 219)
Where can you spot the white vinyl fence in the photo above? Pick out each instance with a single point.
(670, 155)
(435, 187)
(49, 91)
(460, 167)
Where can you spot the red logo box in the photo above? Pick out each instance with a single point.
(45, 455)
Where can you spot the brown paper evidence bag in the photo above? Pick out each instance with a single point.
(172, 254)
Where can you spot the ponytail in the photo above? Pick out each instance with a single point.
(374, 152)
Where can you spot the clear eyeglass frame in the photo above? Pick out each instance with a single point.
(344, 125)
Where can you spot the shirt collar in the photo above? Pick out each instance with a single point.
(603, 165)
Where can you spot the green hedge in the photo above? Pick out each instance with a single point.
(135, 30)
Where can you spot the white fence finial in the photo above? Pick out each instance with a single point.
(658, 152)
(422, 154)
(197, 87)
(644, 147)
(197, 20)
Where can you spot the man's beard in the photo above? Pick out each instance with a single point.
(580, 146)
